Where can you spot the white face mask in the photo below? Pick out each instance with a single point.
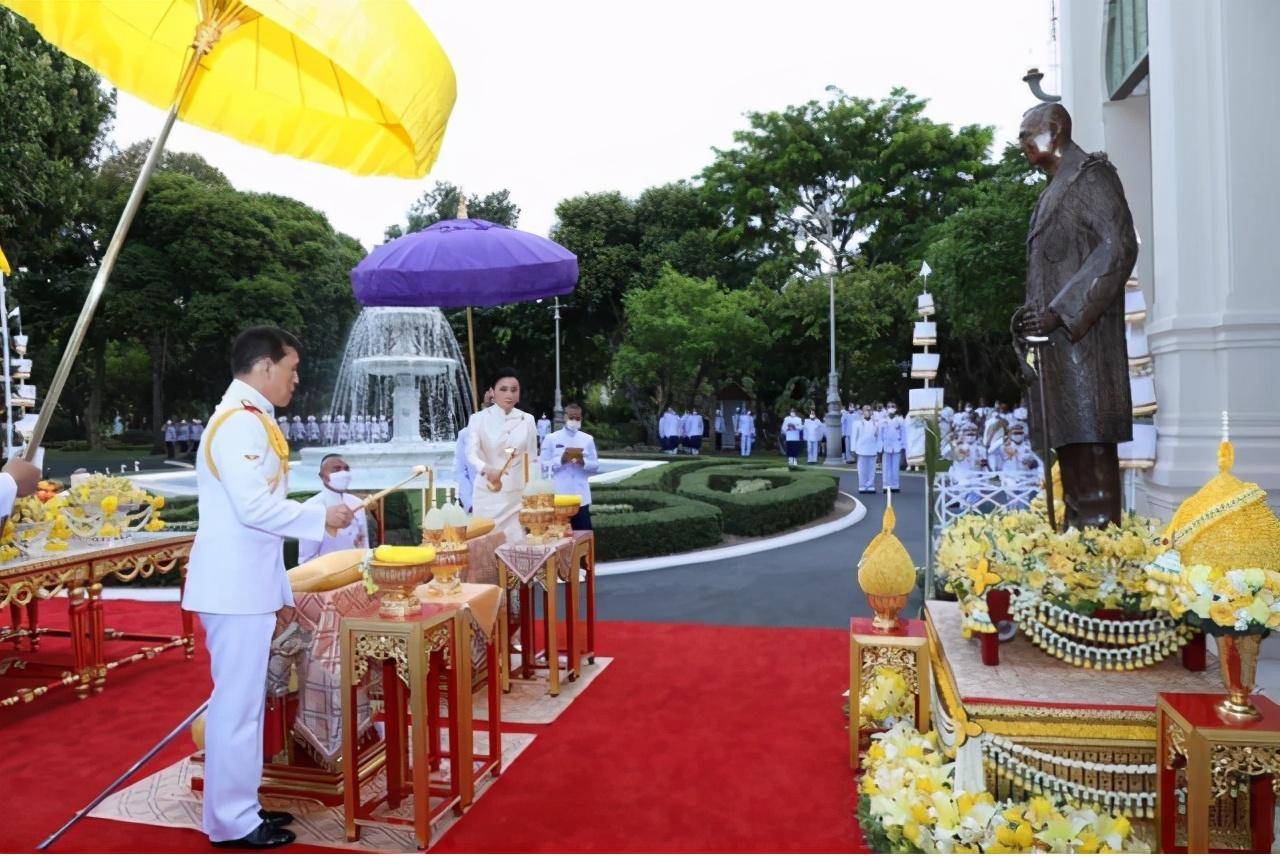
(340, 480)
(573, 424)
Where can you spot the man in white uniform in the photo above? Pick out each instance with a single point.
(335, 476)
(848, 418)
(812, 436)
(236, 578)
(313, 431)
(326, 430)
(893, 440)
(792, 434)
(719, 428)
(746, 431)
(342, 431)
(570, 469)
(693, 432)
(669, 431)
(171, 438)
(866, 445)
(544, 428)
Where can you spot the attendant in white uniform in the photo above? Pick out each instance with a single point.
(812, 436)
(20, 477)
(171, 438)
(297, 431)
(197, 431)
(848, 419)
(793, 436)
(544, 428)
(570, 471)
(866, 445)
(693, 432)
(236, 579)
(313, 431)
(746, 432)
(342, 431)
(893, 441)
(184, 438)
(719, 428)
(335, 476)
(326, 430)
(669, 431)
(501, 475)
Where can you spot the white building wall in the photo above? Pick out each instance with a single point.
(1207, 208)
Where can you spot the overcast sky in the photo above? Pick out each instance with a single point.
(570, 96)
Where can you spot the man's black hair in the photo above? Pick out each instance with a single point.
(328, 456)
(258, 342)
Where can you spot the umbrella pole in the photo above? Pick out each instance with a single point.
(108, 262)
(471, 347)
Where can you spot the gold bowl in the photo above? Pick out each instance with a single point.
(564, 520)
(446, 570)
(395, 587)
(886, 608)
(536, 522)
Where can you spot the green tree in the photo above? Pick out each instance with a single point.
(55, 116)
(683, 337)
(873, 335)
(441, 203)
(879, 171)
(978, 256)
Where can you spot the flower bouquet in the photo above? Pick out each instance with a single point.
(104, 509)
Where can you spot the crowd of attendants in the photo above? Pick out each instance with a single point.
(987, 439)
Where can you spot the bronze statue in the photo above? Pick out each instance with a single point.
(1081, 248)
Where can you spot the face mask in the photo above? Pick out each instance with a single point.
(893, 410)
(573, 424)
(340, 480)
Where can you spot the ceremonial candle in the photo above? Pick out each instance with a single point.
(431, 486)
(526, 467)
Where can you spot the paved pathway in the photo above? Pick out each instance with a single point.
(813, 584)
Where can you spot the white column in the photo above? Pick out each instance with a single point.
(407, 404)
(1214, 327)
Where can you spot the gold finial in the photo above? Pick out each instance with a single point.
(462, 205)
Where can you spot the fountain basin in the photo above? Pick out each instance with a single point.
(416, 365)
(377, 465)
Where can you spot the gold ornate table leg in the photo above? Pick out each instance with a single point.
(418, 667)
(550, 578)
(504, 630)
(1199, 795)
(460, 692)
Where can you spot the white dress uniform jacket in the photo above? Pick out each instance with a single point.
(812, 430)
(488, 433)
(866, 437)
(237, 564)
(354, 536)
(462, 472)
(669, 425)
(571, 478)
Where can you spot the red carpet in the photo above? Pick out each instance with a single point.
(695, 739)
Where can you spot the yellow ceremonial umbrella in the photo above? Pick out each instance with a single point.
(361, 85)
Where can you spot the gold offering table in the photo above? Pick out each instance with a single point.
(79, 572)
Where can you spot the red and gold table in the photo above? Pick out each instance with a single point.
(80, 572)
(1221, 758)
(414, 653)
(520, 566)
(906, 651)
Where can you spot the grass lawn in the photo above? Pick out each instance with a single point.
(60, 465)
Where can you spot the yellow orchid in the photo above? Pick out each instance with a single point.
(980, 576)
(1020, 837)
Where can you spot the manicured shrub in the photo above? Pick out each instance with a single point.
(658, 524)
(795, 498)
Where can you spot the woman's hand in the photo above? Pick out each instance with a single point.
(493, 478)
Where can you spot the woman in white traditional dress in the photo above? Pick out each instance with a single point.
(498, 439)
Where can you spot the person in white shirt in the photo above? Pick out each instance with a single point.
(19, 478)
(236, 578)
(893, 441)
(792, 435)
(866, 445)
(297, 431)
(570, 470)
(848, 419)
(718, 427)
(544, 428)
(342, 431)
(184, 438)
(335, 478)
(693, 432)
(812, 436)
(669, 431)
(171, 438)
(313, 431)
(746, 431)
(197, 431)
(463, 474)
(500, 439)
(326, 430)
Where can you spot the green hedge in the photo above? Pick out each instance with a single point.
(660, 523)
(666, 477)
(796, 498)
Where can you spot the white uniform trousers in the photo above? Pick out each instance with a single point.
(747, 440)
(891, 461)
(239, 647)
(813, 451)
(867, 472)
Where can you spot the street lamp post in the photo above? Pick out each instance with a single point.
(557, 414)
(832, 419)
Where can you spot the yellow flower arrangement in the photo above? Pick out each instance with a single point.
(1216, 600)
(1078, 570)
(885, 699)
(908, 803)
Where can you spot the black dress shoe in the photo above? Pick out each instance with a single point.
(265, 837)
(275, 818)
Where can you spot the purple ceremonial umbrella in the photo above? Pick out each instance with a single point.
(467, 263)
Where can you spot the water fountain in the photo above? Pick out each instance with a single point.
(405, 362)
